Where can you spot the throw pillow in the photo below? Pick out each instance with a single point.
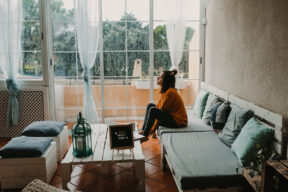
(43, 129)
(211, 101)
(219, 115)
(253, 136)
(236, 120)
(200, 103)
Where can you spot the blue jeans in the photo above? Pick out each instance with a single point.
(153, 113)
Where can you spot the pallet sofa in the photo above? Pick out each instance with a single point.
(199, 160)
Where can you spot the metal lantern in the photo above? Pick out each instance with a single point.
(81, 138)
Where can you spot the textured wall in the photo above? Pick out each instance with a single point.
(247, 50)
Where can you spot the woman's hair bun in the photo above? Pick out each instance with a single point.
(174, 72)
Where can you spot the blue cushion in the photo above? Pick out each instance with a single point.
(25, 147)
(43, 129)
(219, 115)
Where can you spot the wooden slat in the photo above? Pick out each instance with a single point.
(218, 92)
(107, 152)
(272, 117)
(240, 102)
(94, 137)
(138, 154)
(98, 154)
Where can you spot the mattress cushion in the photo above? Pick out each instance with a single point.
(25, 147)
(201, 160)
(194, 125)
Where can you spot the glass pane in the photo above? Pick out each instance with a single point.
(113, 10)
(139, 9)
(191, 10)
(160, 38)
(113, 35)
(31, 67)
(63, 36)
(95, 71)
(161, 62)
(138, 35)
(62, 10)
(192, 36)
(65, 65)
(31, 38)
(114, 65)
(31, 10)
(138, 65)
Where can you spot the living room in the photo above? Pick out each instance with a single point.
(239, 47)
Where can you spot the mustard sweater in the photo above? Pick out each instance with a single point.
(171, 102)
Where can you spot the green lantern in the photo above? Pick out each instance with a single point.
(81, 138)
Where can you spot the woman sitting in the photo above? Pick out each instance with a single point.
(169, 112)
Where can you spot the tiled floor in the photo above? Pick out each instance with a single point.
(120, 177)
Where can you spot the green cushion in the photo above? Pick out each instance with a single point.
(253, 136)
(200, 103)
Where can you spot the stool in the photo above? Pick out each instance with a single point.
(18, 172)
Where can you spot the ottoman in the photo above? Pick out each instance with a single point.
(57, 131)
(24, 159)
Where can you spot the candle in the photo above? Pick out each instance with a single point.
(79, 144)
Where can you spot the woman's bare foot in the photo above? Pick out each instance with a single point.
(141, 132)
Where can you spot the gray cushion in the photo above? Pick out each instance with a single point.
(25, 147)
(194, 124)
(43, 129)
(211, 101)
(200, 160)
(236, 120)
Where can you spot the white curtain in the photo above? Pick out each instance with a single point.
(10, 51)
(87, 27)
(175, 30)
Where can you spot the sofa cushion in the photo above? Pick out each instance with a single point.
(25, 147)
(211, 101)
(200, 103)
(236, 120)
(219, 115)
(200, 160)
(253, 137)
(43, 129)
(194, 124)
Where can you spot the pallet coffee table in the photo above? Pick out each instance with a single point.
(104, 155)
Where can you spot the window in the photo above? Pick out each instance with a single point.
(124, 58)
(30, 66)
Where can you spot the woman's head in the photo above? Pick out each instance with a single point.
(166, 80)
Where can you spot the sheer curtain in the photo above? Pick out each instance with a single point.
(175, 30)
(10, 51)
(87, 28)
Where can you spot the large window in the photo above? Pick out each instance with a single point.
(132, 52)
